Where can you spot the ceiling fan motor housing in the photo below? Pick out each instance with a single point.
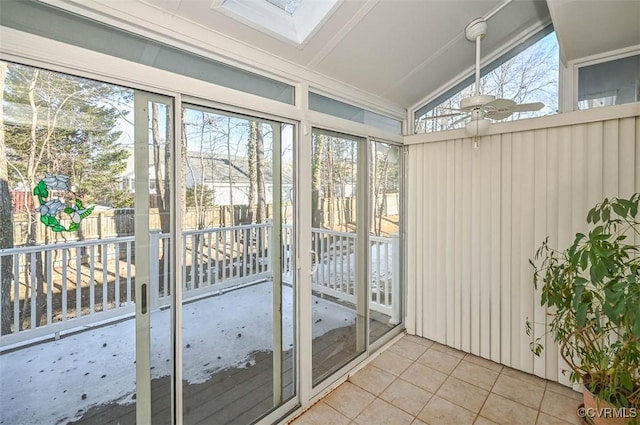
(476, 101)
(476, 28)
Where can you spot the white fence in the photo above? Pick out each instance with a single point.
(65, 286)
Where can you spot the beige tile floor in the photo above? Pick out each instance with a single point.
(417, 382)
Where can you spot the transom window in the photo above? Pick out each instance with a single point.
(530, 75)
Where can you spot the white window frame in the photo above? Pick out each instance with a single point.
(269, 18)
(569, 76)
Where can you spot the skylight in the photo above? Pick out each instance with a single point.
(288, 20)
(289, 6)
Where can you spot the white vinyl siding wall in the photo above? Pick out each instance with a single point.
(476, 217)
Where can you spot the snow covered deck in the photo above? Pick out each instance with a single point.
(89, 377)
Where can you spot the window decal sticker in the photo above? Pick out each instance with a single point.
(50, 209)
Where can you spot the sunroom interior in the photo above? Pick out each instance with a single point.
(233, 211)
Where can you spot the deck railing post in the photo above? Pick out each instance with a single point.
(395, 283)
(268, 229)
(154, 266)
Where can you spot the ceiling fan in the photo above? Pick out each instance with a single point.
(482, 108)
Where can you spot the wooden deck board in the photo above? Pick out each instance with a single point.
(236, 395)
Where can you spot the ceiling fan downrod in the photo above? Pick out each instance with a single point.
(474, 32)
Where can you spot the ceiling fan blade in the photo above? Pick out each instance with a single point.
(495, 115)
(500, 109)
(528, 107)
(500, 105)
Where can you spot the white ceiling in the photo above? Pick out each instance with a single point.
(587, 28)
(400, 52)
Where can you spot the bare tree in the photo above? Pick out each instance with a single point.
(6, 219)
(531, 76)
(161, 144)
(319, 143)
(256, 162)
(253, 169)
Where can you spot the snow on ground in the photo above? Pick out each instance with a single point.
(56, 381)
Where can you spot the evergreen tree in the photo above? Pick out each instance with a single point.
(61, 125)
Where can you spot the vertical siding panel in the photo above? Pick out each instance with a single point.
(611, 149)
(432, 204)
(635, 130)
(413, 236)
(516, 247)
(541, 185)
(422, 234)
(484, 252)
(440, 253)
(551, 355)
(526, 249)
(635, 135)
(628, 152)
(465, 262)
(458, 243)
(629, 161)
(474, 213)
(564, 236)
(505, 248)
(420, 165)
(496, 215)
(594, 167)
(450, 241)
(426, 252)
(579, 173)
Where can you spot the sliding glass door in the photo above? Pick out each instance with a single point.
(238, 266)
(74, 258)
(337, 236)
(355, 247)
(385, 290)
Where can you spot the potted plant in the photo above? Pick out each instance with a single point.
(592, 290)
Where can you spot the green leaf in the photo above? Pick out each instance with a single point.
(41, 190)
(577, 297)
(49, 220)
(73, 227)
(581, 315)
(636, 326)
(620, 209)
(58, 228)
(88, 212)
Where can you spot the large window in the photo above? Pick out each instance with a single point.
(529, 76)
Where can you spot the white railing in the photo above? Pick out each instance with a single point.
(335, 269)
(46, 301)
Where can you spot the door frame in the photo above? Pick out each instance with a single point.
(143, 285)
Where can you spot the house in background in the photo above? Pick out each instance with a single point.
(341, 85)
